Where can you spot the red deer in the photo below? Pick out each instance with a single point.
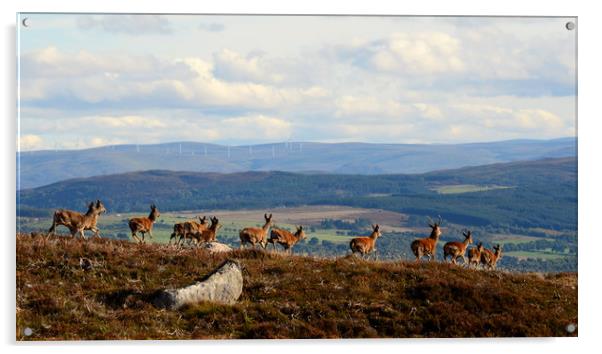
(144, 225)
(187, 228)
(365, 245)
(455, 249)
(256, 235)
(208, 234)
(286, 238)
(427, 246)
(474, 255)
(76, 222)
(489, 259)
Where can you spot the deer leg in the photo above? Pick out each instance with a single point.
(51, 230)
(150, 234)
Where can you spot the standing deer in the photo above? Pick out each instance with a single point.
(144, 225)
(254, 235)
(207, 234)
(455, 249)
(187, 228)
(427, 246)
(489, 259)
(474, 255)
(286, 238)
(76, 222)
(365, 245)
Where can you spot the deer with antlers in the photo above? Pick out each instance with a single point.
(489, 259)
(365, 245)
(455, 249)
(186, 229)
(208, 234)
(77, 222)
(144, 225)
(427, 246)
(474, 255)
(286, 238)
(256, 235)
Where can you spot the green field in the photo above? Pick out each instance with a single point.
(466, 188)
(538, 254)
(513, 238)
(114, 224)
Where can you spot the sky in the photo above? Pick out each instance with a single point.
(93, 80)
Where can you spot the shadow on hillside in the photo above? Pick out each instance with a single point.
(126, 298)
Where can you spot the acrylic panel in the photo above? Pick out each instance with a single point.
(277, 176)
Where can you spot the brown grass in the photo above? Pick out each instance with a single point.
(283, 296)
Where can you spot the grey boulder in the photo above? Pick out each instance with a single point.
(215, 247)
(223, 285)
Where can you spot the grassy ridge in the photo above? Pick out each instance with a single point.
(283, 296)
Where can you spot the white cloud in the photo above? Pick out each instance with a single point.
(426, 53)
(233, 66)
(257, 127)
(30, 142)
(212, 27)
(126, 122)
(349, 106)
(127, 24)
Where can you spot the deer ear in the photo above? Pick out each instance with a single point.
(270, 215)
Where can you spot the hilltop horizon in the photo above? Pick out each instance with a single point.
(282, 142)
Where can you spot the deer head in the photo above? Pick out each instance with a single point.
(154, 212)
(467, 236)
(498, 250)
(215, 223)
(100, 208)
(435, 226)
(203, 220)
(300, 234)
(268, 219)
(376, 230)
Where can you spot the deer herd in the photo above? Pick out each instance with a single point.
(201, 232)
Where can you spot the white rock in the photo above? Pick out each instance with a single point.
(215, 247)
(223, 285)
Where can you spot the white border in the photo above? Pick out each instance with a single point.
(589, 168)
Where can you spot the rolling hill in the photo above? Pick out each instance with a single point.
(282, 296)
(538, 193)
(38, 168)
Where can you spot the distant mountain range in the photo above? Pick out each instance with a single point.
(38, 168)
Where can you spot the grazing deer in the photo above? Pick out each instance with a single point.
(208, 234)
(365, 245)
(427, 246)
(455, 249)
(474, 255)
(144, 225)
(187, 228)
(256, 235)
(489, 259)
(286, 238)
(76, 222)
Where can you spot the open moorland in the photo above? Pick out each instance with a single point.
(283, 296)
